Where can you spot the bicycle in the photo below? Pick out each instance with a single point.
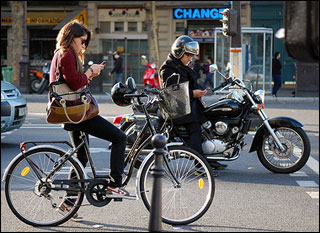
(38, 180)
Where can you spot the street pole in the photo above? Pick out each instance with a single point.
(235, 43)
(158, 142)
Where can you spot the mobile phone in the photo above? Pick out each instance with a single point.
(102, 63)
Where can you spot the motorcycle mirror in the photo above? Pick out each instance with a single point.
(213, 68)
(90, 63)
(131, 84)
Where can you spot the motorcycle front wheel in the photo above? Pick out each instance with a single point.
(293, 158)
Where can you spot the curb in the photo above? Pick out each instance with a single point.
(106, 98)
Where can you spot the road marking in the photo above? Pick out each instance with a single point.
(98, 150)
(313, 164)
(307, 183)
(314, 195)
(299, 174)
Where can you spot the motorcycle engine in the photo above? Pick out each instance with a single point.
(213, 146)
(221, 127)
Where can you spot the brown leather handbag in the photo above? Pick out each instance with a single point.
(68, 106)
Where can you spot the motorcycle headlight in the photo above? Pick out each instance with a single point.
(260, 96)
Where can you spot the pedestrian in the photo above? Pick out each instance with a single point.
(117, 67)
(276, 73)
(197, 66)
(72, 41)
(182, 51)
(209, 75)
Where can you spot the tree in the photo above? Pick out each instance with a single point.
(153, 32)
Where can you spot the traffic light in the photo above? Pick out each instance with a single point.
(229, 22)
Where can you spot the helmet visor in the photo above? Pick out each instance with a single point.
(192, 47)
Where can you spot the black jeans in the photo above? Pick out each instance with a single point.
(195, 136)
(101, 128)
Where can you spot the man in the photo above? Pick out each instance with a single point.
(276, 73)
(117, 67)
(197, 66)
(182, 52)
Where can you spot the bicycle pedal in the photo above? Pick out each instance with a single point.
(118, 199)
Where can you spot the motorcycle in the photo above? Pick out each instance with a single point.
(150, 77)
(281, 143)
(39, 81)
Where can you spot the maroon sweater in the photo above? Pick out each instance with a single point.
(68, 70)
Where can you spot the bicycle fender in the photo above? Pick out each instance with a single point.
(144, 163)
(274, 122)
(34, 148)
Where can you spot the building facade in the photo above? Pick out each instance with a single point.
(123, 26)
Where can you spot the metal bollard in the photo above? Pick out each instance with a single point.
(158, 142)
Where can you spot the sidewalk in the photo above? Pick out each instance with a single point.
(284, 96)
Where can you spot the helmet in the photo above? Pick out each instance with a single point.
(117, 94)
(184, 44)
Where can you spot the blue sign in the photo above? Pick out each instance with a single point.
(197, 13)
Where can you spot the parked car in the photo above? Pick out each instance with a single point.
(13, 107)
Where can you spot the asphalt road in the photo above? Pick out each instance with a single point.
(248, 197)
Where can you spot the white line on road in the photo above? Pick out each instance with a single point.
(307, 183)
(299, 174)
(314, 195)
(313, 164)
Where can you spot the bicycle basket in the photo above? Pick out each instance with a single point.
(175, 101)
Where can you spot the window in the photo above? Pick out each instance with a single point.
(132, 26)
(118, 26)
(144, 26)
(105, 27)
(179, 26)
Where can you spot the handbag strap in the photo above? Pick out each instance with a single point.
(57, 73)
(174, 74)
(84, 100)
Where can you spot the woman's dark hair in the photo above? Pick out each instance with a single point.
(210, 58)
(70, 31)
(276, 54)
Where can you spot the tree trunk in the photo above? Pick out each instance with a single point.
(17, 37)
(153, 28)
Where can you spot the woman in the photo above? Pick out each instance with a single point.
(72, 41)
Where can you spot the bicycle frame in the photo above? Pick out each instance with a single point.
(130, 158)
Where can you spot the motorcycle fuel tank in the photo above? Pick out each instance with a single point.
(223, 108)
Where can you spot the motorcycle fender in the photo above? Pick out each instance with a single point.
(36, 147)
(274, 122)
(144, 163)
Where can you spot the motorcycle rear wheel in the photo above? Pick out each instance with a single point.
(297, 152)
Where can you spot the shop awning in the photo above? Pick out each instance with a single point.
(81, 15)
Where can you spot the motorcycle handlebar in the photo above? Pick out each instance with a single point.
(151, 90)
(223, 84)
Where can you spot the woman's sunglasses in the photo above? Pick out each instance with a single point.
(83, 41)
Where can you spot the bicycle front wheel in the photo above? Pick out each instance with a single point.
(36, 201)
(189, 199)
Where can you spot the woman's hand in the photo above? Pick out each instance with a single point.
(94, 70)
(198, 93)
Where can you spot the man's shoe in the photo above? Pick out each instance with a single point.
(64, 209)
(218, 166)
(119, 193)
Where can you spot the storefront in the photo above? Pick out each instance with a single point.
(123, 29)
(42, 30)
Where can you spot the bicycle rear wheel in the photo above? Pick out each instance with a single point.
(36, 201)
(191, 198)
